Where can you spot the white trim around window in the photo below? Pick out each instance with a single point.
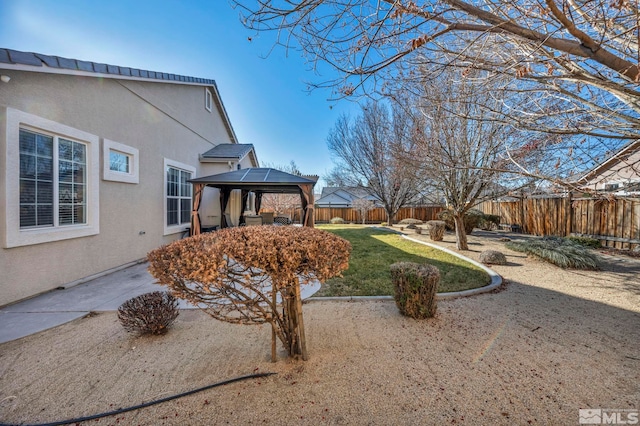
(16, 236)
(126, 170)
(185, 170)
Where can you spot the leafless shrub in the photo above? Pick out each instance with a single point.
(252, 275)
(415, 288)
(436, 230)
(149, 313)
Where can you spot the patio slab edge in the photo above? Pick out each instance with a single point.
(496, 281)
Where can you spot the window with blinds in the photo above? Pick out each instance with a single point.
(53, 181)
(178, 196)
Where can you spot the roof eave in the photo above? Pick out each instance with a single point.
(609, 162)
(44, 69)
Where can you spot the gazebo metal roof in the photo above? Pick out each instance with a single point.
(256, 180)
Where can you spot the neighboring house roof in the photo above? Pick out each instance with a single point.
(228, 152)
(37, 62)
(347, 192)
(333, 199)
(627, 151)
(336, 195)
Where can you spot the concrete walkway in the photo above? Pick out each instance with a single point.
(105, 293)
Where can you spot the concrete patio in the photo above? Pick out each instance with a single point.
(105, 293)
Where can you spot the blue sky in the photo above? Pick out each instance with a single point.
(266, 98)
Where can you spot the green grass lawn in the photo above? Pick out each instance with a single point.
(374, 250)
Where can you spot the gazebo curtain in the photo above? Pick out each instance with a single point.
(243, 202)
(195, 214)
(306, 196)
(258, 201)
(224, 200)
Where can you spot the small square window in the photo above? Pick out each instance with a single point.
(119, 162)
(208, 100)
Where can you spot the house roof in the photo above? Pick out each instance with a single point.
(256, 179)
(347, 192)
(228, 151)
(38, 62)
(628, 150)
(15, 57)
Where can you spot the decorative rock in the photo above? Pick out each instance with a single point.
(493, 257)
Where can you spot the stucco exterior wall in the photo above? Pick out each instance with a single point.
(623, 173)
(160, 120)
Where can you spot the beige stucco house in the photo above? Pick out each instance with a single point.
(619, 174)
(94, 160)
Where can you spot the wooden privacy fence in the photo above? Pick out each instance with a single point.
(377, 215)
(615, 222)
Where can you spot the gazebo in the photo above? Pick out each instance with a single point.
(258, 181)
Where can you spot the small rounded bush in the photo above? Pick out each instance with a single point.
(489, 222)
(415, 288)
(471, 219)
(149, 313)
(410, 221)
(493, 257)
(436, 230)
(337, 220)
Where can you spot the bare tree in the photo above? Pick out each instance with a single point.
(459, 149)
(574, 64)
(281, 203)
(364, 149)
(362, 206)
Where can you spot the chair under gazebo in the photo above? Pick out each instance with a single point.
(252, 180)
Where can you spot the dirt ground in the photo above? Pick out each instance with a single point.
(547, 344)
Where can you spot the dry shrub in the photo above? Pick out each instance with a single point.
(241, 275)
(471, 219)
(436, 230)
(493, 257)
(410, 221)
(151, 313)
(415, 288)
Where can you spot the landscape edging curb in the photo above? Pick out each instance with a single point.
(496, 281)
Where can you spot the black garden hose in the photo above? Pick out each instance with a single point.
(150, 403)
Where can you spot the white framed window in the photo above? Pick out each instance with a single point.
(120, 162)
(208, 100)
(51, 179)
(611, 186)
(178, 193)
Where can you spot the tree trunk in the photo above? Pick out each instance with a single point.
(461, 235)
(292, 312)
